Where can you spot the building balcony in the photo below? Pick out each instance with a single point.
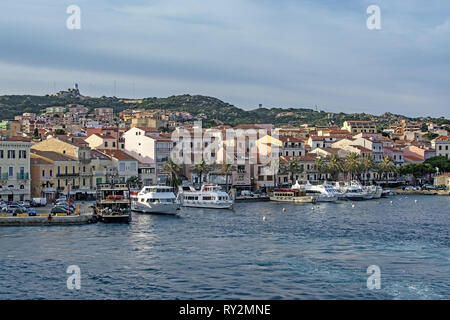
(68, 175)
(23, 176)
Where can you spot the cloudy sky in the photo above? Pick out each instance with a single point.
(286, 53)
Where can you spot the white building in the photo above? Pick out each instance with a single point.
(442, 146)
(15, 169)
(149, 147)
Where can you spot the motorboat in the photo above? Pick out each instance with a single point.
(155, 200)
(324, 192)
(113, 203)
(210, 196)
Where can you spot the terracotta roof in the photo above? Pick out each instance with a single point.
(35, 160)
(22, 139)
(362, 148)
(118, 154)
(412, 157)
(52, 155)
(329, 150)
(443, 138)
(290, 139)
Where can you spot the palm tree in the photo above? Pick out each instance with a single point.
(386, 166)
(321, 165)
(367, 165)
(227, 169)
(293, 167)
(173, 170)
(352, 164)
(334, 166)
(201, 168)
(134, 182)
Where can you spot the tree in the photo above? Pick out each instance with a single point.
(227, 169)
(173, 170)
(134, 182)
(386, 166)
(321, 166)
(36, 133)
(59, 132)
(367, 165)
(417, 170)
(352, 164)
(440, 162)
(334, 166)
(430, 136)
(291, 168)
(201, 168)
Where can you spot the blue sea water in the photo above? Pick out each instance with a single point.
(302, 253)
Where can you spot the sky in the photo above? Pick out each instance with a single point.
(286, 53)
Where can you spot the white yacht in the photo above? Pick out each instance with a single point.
(324, 192)
(210, 196)
(155, 199)
(376, 191)
(355, 192)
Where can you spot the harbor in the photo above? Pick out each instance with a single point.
(255, 251)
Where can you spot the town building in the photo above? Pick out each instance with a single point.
(359, 126)
(15, 168)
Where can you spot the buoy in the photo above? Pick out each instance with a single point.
(312, 208)
(284, 209)
(264, 218)
(415, 201)
(353, 205)
(392, 202)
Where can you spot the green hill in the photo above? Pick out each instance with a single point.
(216, 110)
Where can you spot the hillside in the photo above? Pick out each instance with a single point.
(216, 110)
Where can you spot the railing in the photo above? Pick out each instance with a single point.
(4, 176)
(23, 176)
(67, 174)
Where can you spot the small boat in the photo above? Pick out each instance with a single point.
(210, 196)
(324, 192)
(155, 200)
(386, 193)
(292, 195)
(355, 192)
(376, 191)
(113, 203)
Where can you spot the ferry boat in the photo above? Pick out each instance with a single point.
(324, 192)
(155, 200)
(113, 203)
(210, 196)
(292, 195)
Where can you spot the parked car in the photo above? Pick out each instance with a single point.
(25, 204)
(32, 212)
(38, 202)
(61, 210)
(15, 208)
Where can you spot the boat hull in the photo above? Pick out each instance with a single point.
(301, 199)
(114, 218)
(166, 209)
(208, 205)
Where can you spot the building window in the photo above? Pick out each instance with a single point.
(11, 154)
(51, 173)
(122, 166)
(114, 144)
(1, 154)
(106, 144)
(10, 171)
(43, 173)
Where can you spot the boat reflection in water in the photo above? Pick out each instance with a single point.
(113, 203)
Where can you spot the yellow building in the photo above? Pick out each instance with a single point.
(10, 128)
(355, 127)
(64, 173)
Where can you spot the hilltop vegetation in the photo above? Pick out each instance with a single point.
(216, 111)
